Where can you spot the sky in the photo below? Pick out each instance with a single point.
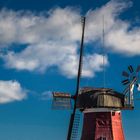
(39, 51)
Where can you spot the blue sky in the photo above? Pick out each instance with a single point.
(39, 43)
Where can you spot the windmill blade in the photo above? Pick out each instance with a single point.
(124, 73)
(130, 68)
(125, 82)
(77, 82)
(76, 124)
(138, 69)
(61, 100)
(61, 95)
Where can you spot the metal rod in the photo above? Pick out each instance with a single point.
(103, 41)
(128, 87)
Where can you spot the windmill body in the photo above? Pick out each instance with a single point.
(102, 125)
(102, 114)
(101, 108)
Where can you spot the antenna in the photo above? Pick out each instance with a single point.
(103, 35)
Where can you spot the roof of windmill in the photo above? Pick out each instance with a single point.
(92, 90)
(100, 97)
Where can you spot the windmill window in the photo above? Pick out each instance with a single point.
(113, 113)
(102, 138)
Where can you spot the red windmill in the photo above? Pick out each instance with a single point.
(101, 106)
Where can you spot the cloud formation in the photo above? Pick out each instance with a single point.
(52, 38)
(11, 91)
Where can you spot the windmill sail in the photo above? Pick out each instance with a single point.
(71, 125)
(124, 73)
(130, 68)
(75, 129)
(61, 100)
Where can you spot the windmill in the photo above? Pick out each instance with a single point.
(132, 77)
(101, 106)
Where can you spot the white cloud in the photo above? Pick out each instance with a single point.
(53, 38)
(109, 12)
(31, 28)
(11, 91)
(91, 63)
(123, 41)
(41, 56)
(65, 58)
(120, 36)
(94, 63)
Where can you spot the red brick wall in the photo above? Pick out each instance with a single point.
(102, 124)
(117, 126)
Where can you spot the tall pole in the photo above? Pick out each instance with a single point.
(78, 80)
